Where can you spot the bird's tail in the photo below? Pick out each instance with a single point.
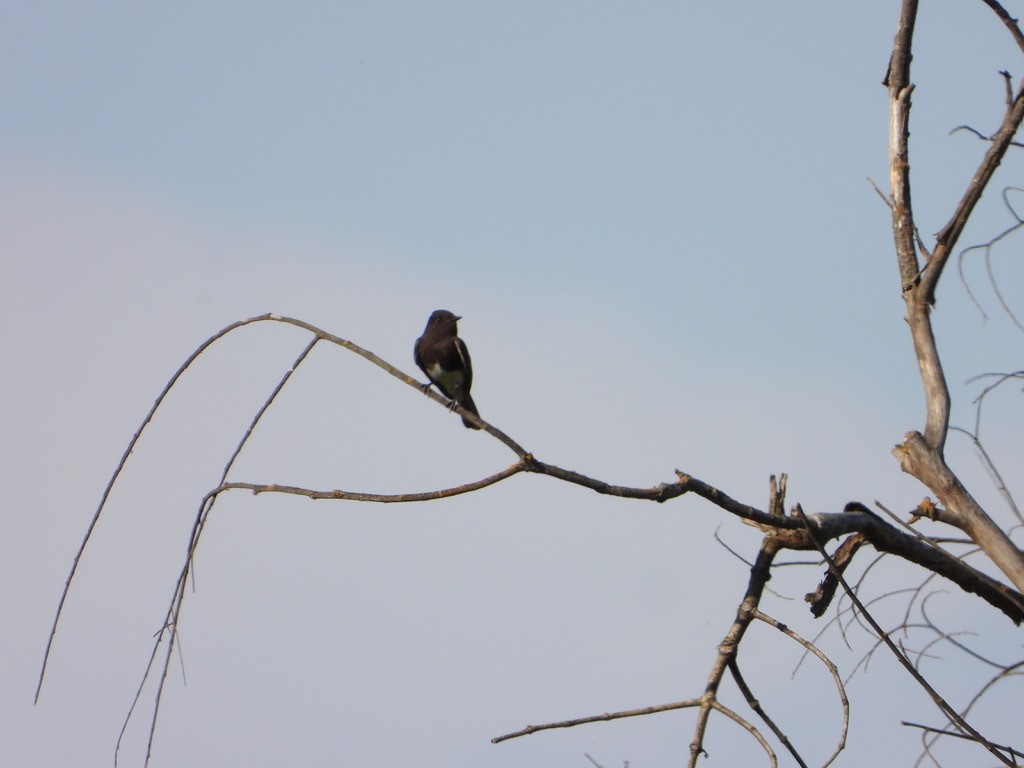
(467, 403)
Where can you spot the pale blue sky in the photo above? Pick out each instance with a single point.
(656, 222)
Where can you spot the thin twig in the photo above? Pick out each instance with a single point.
(172, 619)
(383, 498)
(754, 704)
(988, 249)
(832, 669)
(597, 719)
(940, 702)
(955, 734)
(948, 236)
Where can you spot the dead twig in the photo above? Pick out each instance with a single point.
(940, 702)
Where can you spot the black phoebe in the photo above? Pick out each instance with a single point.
(443, 356)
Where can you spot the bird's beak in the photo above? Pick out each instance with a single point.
(458, 317)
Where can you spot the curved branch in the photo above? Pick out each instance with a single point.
(174, 610)
(404, 377)
(1008, 20)
(750, 728)
(832, 669)
(117, 473)
(319, 334)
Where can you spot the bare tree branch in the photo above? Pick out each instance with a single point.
(897, 80)
(755, 705)
(598, 719)
(1008, 20)
(784, 532)
(957, 735)
(789, 531)
(921, 460)
(922, 455)
(833, 670)
(948, 236)
(382, 498)
(940, 702)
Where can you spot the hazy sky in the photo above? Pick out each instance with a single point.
(656, 221)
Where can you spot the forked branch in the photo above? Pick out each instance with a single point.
(784, 531)
(727, 660)
(922, 455)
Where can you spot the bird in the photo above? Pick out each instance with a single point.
(443, 356)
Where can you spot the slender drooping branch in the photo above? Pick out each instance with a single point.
(117, 473)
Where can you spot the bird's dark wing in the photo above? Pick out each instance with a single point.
(416, 356)
(463, 352)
